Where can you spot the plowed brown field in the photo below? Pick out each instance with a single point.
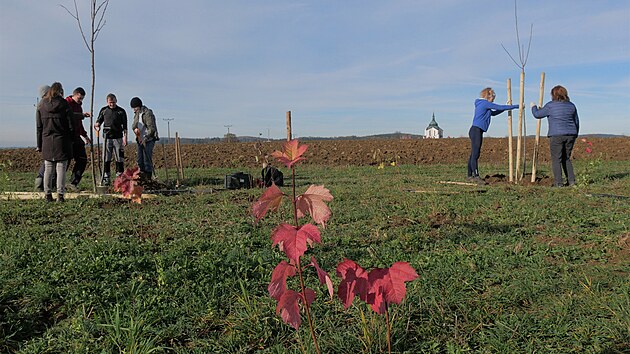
(345, 153)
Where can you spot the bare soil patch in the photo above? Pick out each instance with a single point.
(347, 153)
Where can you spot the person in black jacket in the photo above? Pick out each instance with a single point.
(113, 119)
(54, 138)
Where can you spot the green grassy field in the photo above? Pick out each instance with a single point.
(502, 268)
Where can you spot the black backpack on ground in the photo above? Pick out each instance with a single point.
(238, 180)
(271, 174)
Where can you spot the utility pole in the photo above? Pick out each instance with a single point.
(228, 136)
(168, 125)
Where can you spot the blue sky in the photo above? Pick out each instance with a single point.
(351, 67)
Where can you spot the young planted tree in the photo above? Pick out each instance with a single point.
(523, 55)
(379, 288)
(98, 8)
(294, 239)
(510, 135)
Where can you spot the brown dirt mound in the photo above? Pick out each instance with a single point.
(527, 180)
(345, 153)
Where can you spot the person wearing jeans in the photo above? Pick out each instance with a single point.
(145, 128)
(54, 138)
(564, 126)
(485, 108)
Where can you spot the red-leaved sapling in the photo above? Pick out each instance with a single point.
(378, 288)
(127, 184)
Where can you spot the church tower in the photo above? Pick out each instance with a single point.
(433, 131)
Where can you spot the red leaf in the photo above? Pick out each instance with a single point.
(324, 278)
(377, 279)
(354, 281)
(288, 306)
(293, 241)
(588, 150)
(399, 273)
(387, 285)
(311, 233)
(312, 202)
(269, 200)
(291, 153)
(278, 284)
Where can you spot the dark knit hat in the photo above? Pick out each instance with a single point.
(136, 102)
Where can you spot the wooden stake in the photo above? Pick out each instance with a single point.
(540, 103)
(181, 160)
(177, 158)
(509, 121)
(519, 140)
(459, 183)
(165, 165)
(288, 125)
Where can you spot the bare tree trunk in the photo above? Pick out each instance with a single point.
(97, 21)
(510, 134)
(519, 141)
(522, 130)
(92, 114)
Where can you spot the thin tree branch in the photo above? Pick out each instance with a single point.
(102, 8)
(529, 45)
(523, 54)
(511, 57)
(75, 15)
(518, 37)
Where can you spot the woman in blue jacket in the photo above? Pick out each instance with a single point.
(484, 109)
(564, 126)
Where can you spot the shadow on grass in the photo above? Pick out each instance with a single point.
(25, 328)
(469, 230)
(616, 176)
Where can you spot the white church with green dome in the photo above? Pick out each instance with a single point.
(433, 131)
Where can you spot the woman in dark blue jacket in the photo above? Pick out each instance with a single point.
(484, 109)
(564, 126)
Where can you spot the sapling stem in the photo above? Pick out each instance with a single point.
(295, 215)
(299, 269)
(306, 307)
(389, 340)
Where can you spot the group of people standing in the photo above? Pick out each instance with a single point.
(61, 138)
(564, 126)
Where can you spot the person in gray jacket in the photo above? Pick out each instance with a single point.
(145, 128)
(564, 126)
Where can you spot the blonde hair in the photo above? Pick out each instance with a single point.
(487, 92)
(559, 93)
(55, 90)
